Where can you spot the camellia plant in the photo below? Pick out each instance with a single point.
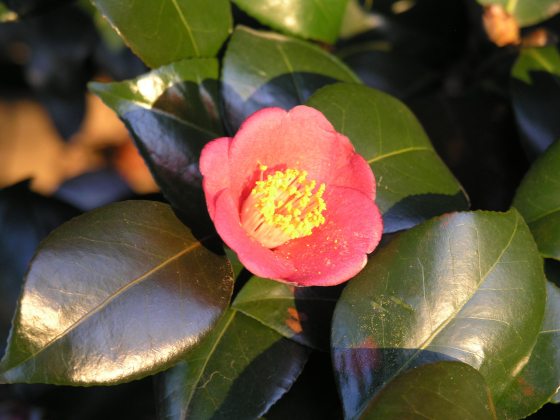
(309, 217)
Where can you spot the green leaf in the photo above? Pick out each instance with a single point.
(300, 313)
(464, 286)
(536, 75)
(527, 12)
(172, 113)
(237, 372)
(263, 69)
(318, 19)
(115, 295)
(537, 382)
(538, 200)
(163, 31)
(438, 391)
(413, 184)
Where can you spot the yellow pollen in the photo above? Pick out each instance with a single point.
(285, 205)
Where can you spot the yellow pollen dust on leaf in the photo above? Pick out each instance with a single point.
(285, 205)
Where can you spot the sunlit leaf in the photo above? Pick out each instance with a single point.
(464, 286)
(413, 183)
(114, 295)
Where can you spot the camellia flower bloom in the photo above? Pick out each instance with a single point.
(292, 198)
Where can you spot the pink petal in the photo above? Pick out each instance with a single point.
(257, 259)
(336, 251)
(301, 139)
(214, 168)
(357, 175)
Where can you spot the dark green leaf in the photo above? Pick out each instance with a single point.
(25, 219)
(538, 200)
(237, 372)
(263, 69)
(413, 184)
(300, 313)
(172, 113)
(163, 31)
(527, 12)
(318, 19)
(464, 286)
(536, 75)
(115, 295)
(438, 391)
(537, 382)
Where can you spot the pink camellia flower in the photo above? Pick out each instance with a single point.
(292, 198)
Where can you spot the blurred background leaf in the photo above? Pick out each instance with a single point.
(538, 200)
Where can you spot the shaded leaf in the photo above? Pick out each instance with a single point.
(313, 395)
(536, 75)
(464, 286)
(413, 184)
(11, 10)
(237, 372)
(172, 113)
(538, 200)
(164, 31)
(263, 69)
(538, 381)
(318, 19)
(25, 219)
(527, 12)
(301, 313)
(438, 391)
(114, 295)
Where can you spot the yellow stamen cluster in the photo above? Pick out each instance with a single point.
(285, 205)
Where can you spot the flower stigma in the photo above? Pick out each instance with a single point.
(284, 206)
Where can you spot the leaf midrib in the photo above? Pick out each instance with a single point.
(452, 316)
(108, 300)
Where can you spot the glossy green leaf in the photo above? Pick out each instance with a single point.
(263, 69)
(413, 184)
(237, 372)
(114, 295)
(527, 12)
(464, 286)
(300, 313)
(172, 113)
(536, 75)
(164, 31)
(537, 382)
(538, 200)
(438, 391)
(318, 19)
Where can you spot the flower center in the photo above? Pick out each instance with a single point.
(285, 205)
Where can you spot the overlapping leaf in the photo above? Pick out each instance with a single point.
(164, 31)
(114, 295)
(172, 113)
(527, 12)
(538, 200)
(237, 372)
(465, 286)
(537, 382)
(413, 183)
(318, 19)
(263, 69)
(535, 91)
(438, 391)
(300, 313)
